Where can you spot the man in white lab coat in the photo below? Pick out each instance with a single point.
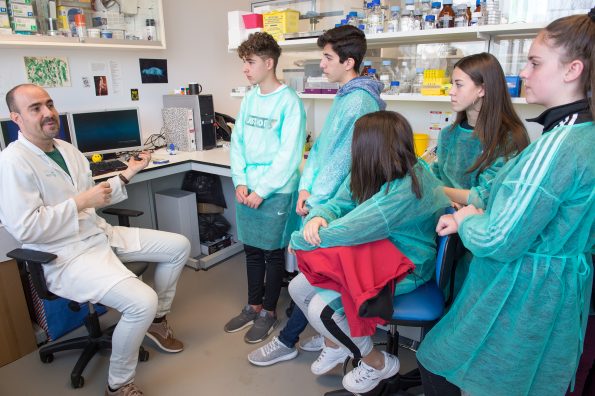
(48, 201)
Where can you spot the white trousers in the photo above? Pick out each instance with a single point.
(138, 303)
(325, 317)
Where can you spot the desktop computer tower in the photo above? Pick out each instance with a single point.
(176, 212)
(204, 117)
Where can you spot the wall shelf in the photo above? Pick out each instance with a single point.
(20, 41)
(387, 98)
(450, 35)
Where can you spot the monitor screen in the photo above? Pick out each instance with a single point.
(108, 131)
(10, 130)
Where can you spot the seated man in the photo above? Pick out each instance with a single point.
(48, 203)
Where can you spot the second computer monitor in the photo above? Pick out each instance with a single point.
(108, 131)
(10, 130)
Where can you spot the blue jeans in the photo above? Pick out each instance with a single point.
(297, 322)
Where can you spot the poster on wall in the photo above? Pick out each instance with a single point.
(47, 71)
(100, 85)
(153, 71)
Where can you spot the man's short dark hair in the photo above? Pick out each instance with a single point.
(10, 101)
(261, 44)
(348, 42)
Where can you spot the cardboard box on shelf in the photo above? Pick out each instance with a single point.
(20, 10)
(25, 25)
(4, 21)
(279, 22)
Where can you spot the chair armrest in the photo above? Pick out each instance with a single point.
(32, 260)
(124, 215)
(31, 256)
(122, 212)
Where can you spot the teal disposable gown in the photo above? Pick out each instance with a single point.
(458, 148)
(329, 160)
(396, 214)
(266, 151)
(517, 326)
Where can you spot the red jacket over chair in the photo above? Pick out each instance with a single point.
(359, 273)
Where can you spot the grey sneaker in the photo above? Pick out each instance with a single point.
(273, 352)
(263, 326)
(243, 320)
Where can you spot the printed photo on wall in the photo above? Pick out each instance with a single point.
(100, 85)
(153, 71)
(47, 71)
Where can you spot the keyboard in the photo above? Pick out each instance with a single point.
(100, 168)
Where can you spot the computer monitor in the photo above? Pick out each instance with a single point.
(108, 131)
(10, 130)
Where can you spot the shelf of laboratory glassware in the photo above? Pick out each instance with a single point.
(388, 98)
(19, 40)
(472, 33)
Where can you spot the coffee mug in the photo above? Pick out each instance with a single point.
(194, 88)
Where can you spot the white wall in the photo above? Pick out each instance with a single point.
(196, 35)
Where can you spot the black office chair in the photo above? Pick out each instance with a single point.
(97, 339)
(423, 307)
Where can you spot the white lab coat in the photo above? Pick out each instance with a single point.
(38, 209)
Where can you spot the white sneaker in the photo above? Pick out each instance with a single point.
(328, 359)
(364, 378)
(312, 344)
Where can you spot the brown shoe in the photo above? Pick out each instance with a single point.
(162, 335)
(126, 390)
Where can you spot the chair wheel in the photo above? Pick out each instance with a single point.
(143, 354)
(77, 382)
(46, 358)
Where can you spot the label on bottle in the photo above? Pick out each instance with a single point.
(446, 21)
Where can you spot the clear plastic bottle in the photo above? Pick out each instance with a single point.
(378, 13)
(408, 17)
(394, 88)
(394, 22)
(352, 19)
(405, 78)
(418, 22)
(430, 22)
(426, 8)
(436, 5)
(475, 19)
(461, 16)
(418, 81)
(386, 74)
(367, 65)
(446, 19)
(372, 73)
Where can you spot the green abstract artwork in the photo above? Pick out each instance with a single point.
(47, 71)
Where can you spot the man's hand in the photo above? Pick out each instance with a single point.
(136, 164)
(311, 230)
(254, 200)
(241, 194)
(301, 208)
(95, 197)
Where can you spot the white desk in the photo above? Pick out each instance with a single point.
(158, 177)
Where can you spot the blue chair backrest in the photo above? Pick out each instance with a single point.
(450, 250)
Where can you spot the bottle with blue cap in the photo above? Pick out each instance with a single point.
(393, 24)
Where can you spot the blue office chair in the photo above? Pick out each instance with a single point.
(423, 307)
(97, 339)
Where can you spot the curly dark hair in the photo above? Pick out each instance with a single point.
(261, 44)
